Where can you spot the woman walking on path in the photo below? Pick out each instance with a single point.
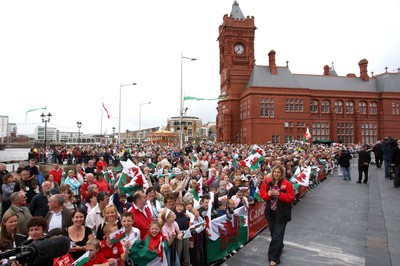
(278, 194)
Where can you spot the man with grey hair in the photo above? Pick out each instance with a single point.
(58, 215)
(39, 204)
(18, 202)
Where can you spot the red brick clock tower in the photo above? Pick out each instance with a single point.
(236, 46)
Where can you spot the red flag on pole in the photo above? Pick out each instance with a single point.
(108, 115)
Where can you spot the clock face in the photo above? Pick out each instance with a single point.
(239, 49)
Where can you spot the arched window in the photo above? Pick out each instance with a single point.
(373, 108)
(325, 108)
(362, 108)
(349, 107)
(314, 106)
(339, 107)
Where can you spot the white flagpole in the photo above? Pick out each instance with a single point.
(101, 121)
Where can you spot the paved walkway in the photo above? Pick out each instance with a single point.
(337, 223)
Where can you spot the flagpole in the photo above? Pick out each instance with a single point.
(101, 121)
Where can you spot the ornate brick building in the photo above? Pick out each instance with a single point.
(269, 103)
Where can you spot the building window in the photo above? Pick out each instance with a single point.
(362, 108)
(395, 108)
(243, 134)
(345, 132)
(339, 107)
(349, 107)
(267, 107)
(369, 133)
(314, 106)
(373, 108)
(244, 109)
(320, 131)
(325, 107)
(276, 139)
(288, 138)
(294, 105)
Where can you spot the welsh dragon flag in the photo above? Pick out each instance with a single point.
(117, 235)
(301, 178)
(109, 176)
(82, 260)
(307, 135)
(253, 161)
(197, 192)
(150, 252)
(131, 179)
(195, 228)
(228, 235)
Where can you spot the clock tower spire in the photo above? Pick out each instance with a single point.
(236, 48)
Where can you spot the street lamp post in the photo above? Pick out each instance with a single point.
(113, 136)
(181, 101)
(79, 125)
(119, 117)
(140, 119)
(45, 119)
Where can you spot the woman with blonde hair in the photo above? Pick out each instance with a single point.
(111, 216)
(278, 194)
(8, 231)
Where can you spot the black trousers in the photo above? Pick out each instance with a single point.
(363, 169)
(396, 179)
(277, 234)
(378, 161)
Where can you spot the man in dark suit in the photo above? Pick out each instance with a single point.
(396, 164)
(364, 158)
(378, 152)
(58, 215)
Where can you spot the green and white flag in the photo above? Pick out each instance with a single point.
(188, 98)
(82, 259)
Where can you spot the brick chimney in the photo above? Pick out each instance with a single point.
(326, 70)
(272, 64)
(364, 69)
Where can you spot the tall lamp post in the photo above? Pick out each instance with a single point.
(79, 125)
(113, 136)
(119, 117)
(140, 119)
(45, 119)
(181, 100)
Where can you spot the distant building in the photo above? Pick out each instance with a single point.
(3, 128)
(192, 129)
(270, 103)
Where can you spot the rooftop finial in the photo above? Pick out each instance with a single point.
(333, 66)
(386, 69)
(287, 63)
(372, 73)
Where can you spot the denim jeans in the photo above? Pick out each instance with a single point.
(346, 173)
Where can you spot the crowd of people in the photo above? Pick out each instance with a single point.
(86, 203)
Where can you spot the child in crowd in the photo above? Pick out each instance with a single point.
(182, 245)
(132, 233)
(230, 209)
(95, 257)
(111, 216)
(154, 241)
(222, 210)
(113, 252)
(171, 231)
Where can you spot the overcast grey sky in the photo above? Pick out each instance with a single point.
(73, 55)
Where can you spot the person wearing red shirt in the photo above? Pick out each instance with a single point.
(57, 173)
(278, 194)
(101, 183)
(114, 253)
(141, 213)
(95, 257)
(89, 181)
(101, 164)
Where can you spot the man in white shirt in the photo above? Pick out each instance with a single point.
(58, 216)
(95, 216)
